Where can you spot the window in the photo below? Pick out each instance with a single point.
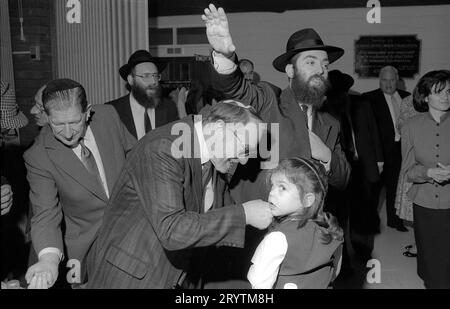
(163, 36)
(191, 36)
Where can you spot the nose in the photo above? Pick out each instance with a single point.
(67, 132)
(271, 195)
(321, 69)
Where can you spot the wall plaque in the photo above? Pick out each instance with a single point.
(374, 52)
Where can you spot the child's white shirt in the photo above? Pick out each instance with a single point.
(267, 260)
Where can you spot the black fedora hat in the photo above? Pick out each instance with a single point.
(302, 40)
(137, 57)
(339, 81)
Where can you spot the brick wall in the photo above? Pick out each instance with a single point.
(29, 74)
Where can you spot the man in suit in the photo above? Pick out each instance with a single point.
(362, 147)
(304, 130)
(171, 204)
(72, 168)
(385, 102)
(144, 108)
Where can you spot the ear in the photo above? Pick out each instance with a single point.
(426, 99)
(289, 70)
(88, 111)
(309, 199)
(130, 79)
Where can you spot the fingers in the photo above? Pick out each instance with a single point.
(445, 167)
(212, 13)
(49, 278)
(213, 10)
(6, 209)
(32, 284)
(41, 281)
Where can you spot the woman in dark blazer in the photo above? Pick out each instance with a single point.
(426, 162)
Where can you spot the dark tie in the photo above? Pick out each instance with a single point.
(89, 163)
(207, 171)
(305, 113)
(206, 174)
(147, 123)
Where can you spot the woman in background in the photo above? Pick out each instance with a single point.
(426, 163)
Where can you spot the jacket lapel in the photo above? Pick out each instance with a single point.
(196, 168)
(320, 127)
(106, 153)
(300, 144)
(160, 115)
(64, 158)
(125, 114)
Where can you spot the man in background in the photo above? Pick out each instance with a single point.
(144, 108)
(385, 102)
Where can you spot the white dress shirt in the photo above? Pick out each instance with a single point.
(394, 109)
(138, 111)
(89, 142)
(204, 157)
(267, 260)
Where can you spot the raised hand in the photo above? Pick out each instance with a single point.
(217, 31)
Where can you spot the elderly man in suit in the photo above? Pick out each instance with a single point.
(144, 108)
(72, 167)
(385, 102)
(304, 130)
(170, 205)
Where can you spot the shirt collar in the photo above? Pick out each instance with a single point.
(204, 153)
(396, 94)
(444, 117)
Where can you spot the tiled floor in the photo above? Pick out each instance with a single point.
(396, 270)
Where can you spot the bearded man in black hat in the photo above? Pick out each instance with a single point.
(144, 108)
(304, 130)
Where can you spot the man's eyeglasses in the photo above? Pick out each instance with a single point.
(149, 76)
(245, 152)
(58, 128)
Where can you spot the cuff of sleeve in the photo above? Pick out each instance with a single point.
(425, 176)
(51, 250)
(327, 165)
(222, 64)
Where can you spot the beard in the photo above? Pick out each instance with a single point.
(148, 100)
(310, 92)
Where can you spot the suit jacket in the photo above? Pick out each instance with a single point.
(368, 143)
(293, 133)
(62, 192)
(383, 117)
(165, 112)
(155, 226)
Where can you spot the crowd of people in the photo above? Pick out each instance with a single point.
(151, 192)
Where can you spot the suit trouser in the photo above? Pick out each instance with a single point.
(391, 172)
(364, 195)
(364, 220)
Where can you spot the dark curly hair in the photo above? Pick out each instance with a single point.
(433, 81)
